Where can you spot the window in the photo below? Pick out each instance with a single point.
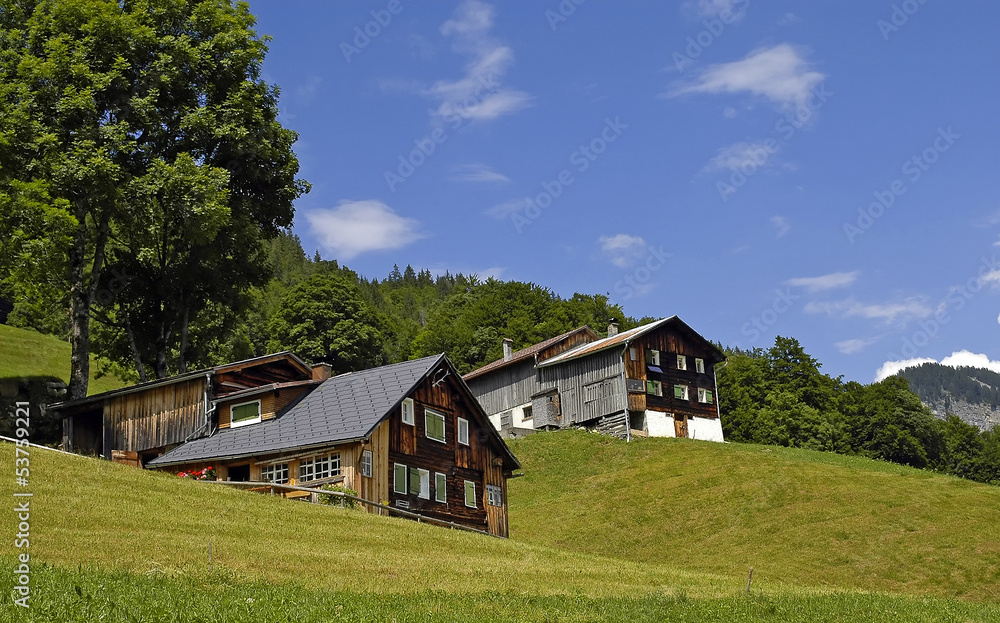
(699, 365)
(434, 425)
(316, 467)
(399, 479)
(494, 495)
(681, 392)
(633, 353)
(470, 494)
(682, 362)
(654, 388)
(529, 412)
(243, 414)
(275, 472)
(463, 431)
(408, 411)
(420, 483)
(440, 488)
(704, 395)
(652, 357)
(366, 463)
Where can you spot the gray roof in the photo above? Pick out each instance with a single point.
(342, 408)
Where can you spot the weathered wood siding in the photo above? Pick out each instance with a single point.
(589, 387)
(271, 403)
(410, 446)
(154, 418)
(670, 344)
(506, 388)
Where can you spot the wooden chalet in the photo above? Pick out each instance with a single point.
(656, 380)
(410, 435)
(138, 423)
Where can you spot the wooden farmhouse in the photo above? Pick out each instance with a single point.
(410, 435)
(656, 380)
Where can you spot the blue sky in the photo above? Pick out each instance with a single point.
(821, 170)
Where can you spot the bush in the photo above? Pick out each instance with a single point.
(336, 500)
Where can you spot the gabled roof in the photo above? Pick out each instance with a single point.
(623, 339)
(343, 408)
(288, 356)
(529, 352)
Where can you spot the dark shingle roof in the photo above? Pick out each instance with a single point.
(342, 408)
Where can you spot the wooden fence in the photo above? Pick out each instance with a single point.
(345, 496)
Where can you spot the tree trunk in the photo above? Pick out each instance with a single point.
(82, 294)
(182, 363)
(135, 350)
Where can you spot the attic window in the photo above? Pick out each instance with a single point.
(408, 411)
(463, 431)
(652, 357)
(682, 362)
(434, 425)
(244, 413)
(699, 365)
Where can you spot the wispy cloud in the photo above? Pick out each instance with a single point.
(824, 282)
(856, 345)
(781, 224)
(356, 227)
(991, 278)
(958, 359)
(900, 312)
(622, 249)
(503, 210)
(478, 173)
(715, 8)
(478, 95)
(741, 156)
(779, 74)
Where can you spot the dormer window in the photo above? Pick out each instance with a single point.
(244, 413)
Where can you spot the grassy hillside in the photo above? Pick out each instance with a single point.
(26, 353)
(800, 517)
(117, 544)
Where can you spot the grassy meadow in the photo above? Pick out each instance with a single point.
(25, 353)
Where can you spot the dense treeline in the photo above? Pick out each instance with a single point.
(323, 311)
(780, 397)
(934, 383)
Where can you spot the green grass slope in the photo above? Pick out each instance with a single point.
(801, 517)
(114, 543)
(25, 353)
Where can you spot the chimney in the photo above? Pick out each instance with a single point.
(321, 371)
(508, 349)
(612, 328)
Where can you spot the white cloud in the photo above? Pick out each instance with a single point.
(890, 368)
(958, 359)
(739, 156)
(991, 278)
(623, 250)
(779, 74)
(355, 227)
(824, 282)
(478, 173)
(781, 224)
(478, 95)
(503, 210)
(856, 345)
(900, 312)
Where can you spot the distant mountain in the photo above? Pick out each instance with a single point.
(970, 393)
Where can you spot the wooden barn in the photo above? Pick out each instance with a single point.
(656, 380)
(138, 423)
(410, 435)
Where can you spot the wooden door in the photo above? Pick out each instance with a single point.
(680, 425)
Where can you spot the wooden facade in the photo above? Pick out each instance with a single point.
(608, 380)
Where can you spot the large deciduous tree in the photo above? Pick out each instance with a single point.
(140, 132)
